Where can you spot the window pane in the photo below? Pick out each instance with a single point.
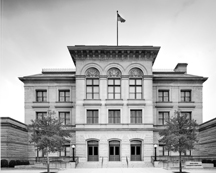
(110, 89)
(132, 96)
(61, 93)
(90, 150)
(96, 82)
(116, 150)
(117, 89)
(95, 151)
(67, 93)
(138, 96)
(117, 82)
(117, 96)
(89, 89)
(139, 82)
(67, 151)
(67, 99)
(110, 82)
(132, 81)
(96, 89)
(138, 152)
(110, 96)
(89, 82)
(96, 96)
(132, 150)
(89, 96)
(166, 93)
(132, 89)
(39, 93)
(111, 150)
(139, 89)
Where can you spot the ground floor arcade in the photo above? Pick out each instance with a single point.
(114, 145)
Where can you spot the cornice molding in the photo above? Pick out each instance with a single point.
(163, 106)
(123, 76)
(186, 106)
(92, 104)
(148, 53)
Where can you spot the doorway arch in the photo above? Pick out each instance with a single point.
(136, 150)
(93, 151)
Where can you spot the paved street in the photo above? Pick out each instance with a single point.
(111, 170)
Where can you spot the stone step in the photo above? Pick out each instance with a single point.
(89, 165)
(139, 164)
(121, 164)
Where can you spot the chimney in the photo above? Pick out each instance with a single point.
(181, 67)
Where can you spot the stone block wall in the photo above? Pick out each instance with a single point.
(14, 139)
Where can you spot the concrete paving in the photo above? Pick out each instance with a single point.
(110, 170)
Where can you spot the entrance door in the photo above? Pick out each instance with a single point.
(92, 151)
(114, 151)
(136, 151)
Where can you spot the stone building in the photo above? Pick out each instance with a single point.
(207, 138)
(114, 102)
(14, 139)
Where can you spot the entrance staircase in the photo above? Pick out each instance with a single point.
(121, 164)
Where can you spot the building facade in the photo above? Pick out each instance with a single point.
(207, 138)
(14, 139)
(114, 103)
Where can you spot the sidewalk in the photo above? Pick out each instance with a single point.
(110, 170)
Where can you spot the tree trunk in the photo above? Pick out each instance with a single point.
(180, 164)
(48, 162)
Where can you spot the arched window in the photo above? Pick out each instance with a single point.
(92, 83)
(135, 83)
(114, 83)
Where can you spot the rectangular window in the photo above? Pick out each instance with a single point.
(187, 114)
(92, 116)
(163, 96)
(40, 115)
(162, 151)
(114, 89)
(64, 118)
(64, 95)
(135, 89)
(185, 95)
(65, 151)
(92, 88)
(136, 116)
(114, 116)
(163, 117)
(40, 153)
(41, 96)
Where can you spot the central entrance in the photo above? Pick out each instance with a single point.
(135, 150)
(93, 151)
(114, 151)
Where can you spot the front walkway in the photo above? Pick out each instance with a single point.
(111, 170)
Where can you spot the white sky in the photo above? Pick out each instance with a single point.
(35, 35)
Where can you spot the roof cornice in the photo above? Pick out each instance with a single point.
(113, 52)
(188, 79)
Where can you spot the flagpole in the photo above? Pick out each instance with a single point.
(117, 28)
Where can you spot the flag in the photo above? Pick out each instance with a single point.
(119, 18)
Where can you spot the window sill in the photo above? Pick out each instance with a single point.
(64, 102)
(114, 99)
(164, 102)
(40, 102)
(136, 99)
(92, 99)
(187, 102)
